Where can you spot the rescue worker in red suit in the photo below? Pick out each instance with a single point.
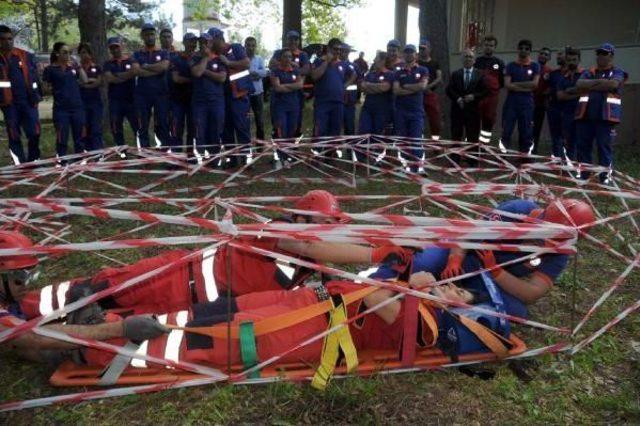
(16, 272)
(493, 68)
(380, 330)
(196, 280)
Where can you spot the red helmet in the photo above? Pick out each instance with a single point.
(12, 240)
(580, 213)
(320, 201)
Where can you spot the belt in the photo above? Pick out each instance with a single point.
(321, 293)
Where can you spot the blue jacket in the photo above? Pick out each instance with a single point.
(25, 62)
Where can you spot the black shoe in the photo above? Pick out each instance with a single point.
(89, 314)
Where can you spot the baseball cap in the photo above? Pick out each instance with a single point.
(425, 42)
(346, 46)
(148, 27)
(114, 41)
(393, 43)
(606, 47)
(205, 36)
(189, 36)
(409, 47)
(215, 32)
(293, 33)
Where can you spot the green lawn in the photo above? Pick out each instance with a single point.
(598, 385)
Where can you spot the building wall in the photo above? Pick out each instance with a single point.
(583, 24)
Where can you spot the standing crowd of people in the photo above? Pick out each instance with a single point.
(206, 93)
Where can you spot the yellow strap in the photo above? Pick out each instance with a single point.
(430, 322)
(282, 321)
(486, 336)
(333, 342)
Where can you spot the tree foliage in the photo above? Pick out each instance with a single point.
(322, 20)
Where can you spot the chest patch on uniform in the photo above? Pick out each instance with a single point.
(529, 72)
(157, 57)
(214, 66)
(127, 66)
(93, 70)
(19, 63)
(73, 72)
(418, 75)
(381, 78)
(339, 67)
(293, 77)
(496, 66)
(536, 261)
(297, 59)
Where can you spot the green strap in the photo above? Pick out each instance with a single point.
(248, 350)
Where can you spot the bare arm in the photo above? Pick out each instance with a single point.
(328, 252)
(568, 94)
(375, 88)
(436, 81)
(93, 82)
(219, 76)
(318, 72)
(280, 88)
(600, 85)
(528, 289)
(240, 65)
(514, 87)
(83, 76)
(177, 78)
(399, 90)
(31, 341)
(198, 69)
(158, 67)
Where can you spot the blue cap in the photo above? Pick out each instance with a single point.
(215, 32)
(205, 36)
(293, 33)
(189, 36)
(606, 47)
(409, 47)
(425, 42)
(148, 27)
(346, 46)
(114, 41)
(394, 43)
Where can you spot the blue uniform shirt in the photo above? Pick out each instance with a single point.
(379, 100)
(330, 87)
(553, 81)
(434, 260)
(157, 84)
(565, 82)
(351, 96)
(18, 85)
(204, 88)
(64, 82)
(121, 91)
(91, 95)
(414, 74)
(597, 108)
(522, 72)
(180, 63)
(242, 86)
(289, 101)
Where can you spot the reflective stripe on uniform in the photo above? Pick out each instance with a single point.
(61, 293)
(142, 350)
(174, 340)
(583, 99)
(286, 268)
(238, 75)
(207, 272)
(46, 300)
(435, 137)
(485, 133)
(615, 101)
(5, 84)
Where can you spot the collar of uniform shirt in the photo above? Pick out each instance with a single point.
(526, 61)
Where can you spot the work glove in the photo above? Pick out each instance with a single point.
(488, 259)
(396, 257)
(143, 327)
(453, 268)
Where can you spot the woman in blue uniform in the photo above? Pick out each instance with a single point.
(90, 93)
(64, 77)
(287, 83)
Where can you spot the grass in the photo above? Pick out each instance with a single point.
(597, 385)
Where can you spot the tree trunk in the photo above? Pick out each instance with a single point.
(91, 22)
(44, 25)
(433, 25)
(292, 19)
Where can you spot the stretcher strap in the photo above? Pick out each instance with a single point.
(120, 362)
(333, 343)
(429, 321)
(410, 330)
(486, 336)
(280, 322)
(248, 350)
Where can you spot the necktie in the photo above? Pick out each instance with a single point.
(467, 77)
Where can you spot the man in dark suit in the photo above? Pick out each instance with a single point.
(466, 88)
